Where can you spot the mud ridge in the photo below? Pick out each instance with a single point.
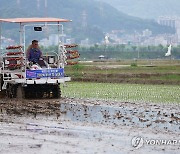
(164, 117)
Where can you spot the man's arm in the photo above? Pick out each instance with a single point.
(40, 53)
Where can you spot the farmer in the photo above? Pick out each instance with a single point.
(33, 52)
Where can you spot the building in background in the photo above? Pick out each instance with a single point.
(167, 21)
(173, 22)
(85, 42)
(5, 42)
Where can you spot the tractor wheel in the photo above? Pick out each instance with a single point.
(1, 81)
(10, 90)
(2, 92)
(20, 92)
(40, 93)
(56, 91)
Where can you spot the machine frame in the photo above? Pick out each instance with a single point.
(15, 82)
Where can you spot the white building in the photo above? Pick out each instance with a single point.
(85, 42)
(171, 22)
(44, 42)
(160, 40)
(178, 30)
(53, 39)
(167, 21)
(147, 33)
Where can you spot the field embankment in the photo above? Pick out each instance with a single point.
(136, 72)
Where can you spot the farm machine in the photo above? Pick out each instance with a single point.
(21, 79)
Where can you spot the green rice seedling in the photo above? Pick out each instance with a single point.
(123, 92)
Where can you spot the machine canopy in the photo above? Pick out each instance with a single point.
(31, 20)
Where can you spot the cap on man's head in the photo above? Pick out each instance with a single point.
(34, 41)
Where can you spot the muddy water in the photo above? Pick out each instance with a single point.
(127, 115)
(83, 126)
(49, 135)
(164, 117)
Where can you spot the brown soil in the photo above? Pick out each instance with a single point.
(34, 107)
(130, 113)
(2, 94)
(127, 78)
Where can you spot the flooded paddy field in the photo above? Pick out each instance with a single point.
(71, 125)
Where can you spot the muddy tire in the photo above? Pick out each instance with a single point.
(40, 93)
(20, 92)
(1, 81)
(10, 90)
(2, 92)
(56, 91)
(35, 91)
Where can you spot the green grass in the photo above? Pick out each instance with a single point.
(123, 92)
(160, 73)
(169, 77)
(96, 69)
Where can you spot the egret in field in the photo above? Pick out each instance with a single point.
(169, 51)
(106, 40)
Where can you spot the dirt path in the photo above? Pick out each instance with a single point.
(88, 126)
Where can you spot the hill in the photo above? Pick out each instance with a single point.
(147, 8)
(90, 18)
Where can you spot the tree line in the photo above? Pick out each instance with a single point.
(123, 51)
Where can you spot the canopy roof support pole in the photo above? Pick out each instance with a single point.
(0, 36)
(21, 34)
(24, 38)
(59, 48)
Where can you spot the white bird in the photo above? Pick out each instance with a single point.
(169, 51)
(106, 40)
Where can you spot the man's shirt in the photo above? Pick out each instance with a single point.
(34, 54)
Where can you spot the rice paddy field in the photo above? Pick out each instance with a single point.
(102, 110)
(123, 92)
(156, 81)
